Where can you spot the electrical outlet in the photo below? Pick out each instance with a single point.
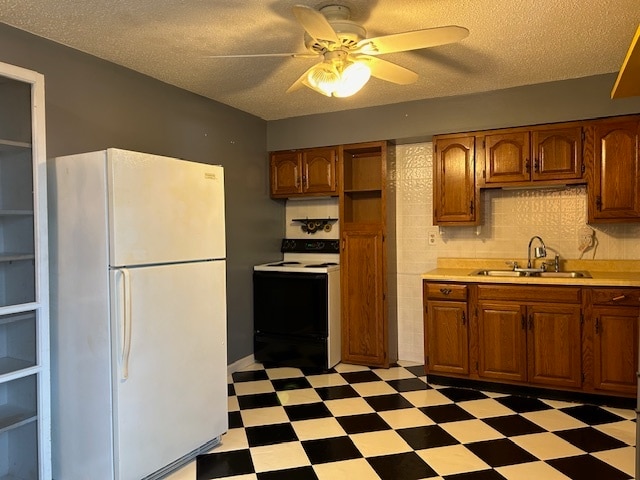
(432, 236)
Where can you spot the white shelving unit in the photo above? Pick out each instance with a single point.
(25, 437)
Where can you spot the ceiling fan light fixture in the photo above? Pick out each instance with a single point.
(338, 78)
(354, 76)
(323, 78)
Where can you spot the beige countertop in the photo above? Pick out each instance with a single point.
(612, 273)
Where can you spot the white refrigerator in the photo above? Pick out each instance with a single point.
(138, 313)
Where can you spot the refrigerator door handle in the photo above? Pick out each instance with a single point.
(124, 307)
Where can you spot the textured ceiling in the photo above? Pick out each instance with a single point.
(511, 43)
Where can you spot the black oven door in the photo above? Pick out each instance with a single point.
(290, 314)
(291, 304)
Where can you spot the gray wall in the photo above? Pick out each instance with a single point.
(574, 99)
(92, 104)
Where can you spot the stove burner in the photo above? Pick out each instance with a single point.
(327, 264)
(282, 264)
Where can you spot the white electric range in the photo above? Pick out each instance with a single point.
(297, 306)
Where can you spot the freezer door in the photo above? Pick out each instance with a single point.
(163, 209)
(169, 363)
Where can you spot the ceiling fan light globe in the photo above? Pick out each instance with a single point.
(323, 79)
(353, 78)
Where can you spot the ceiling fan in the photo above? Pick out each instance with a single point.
(349, 58)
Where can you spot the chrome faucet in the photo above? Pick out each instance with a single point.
(538, 252)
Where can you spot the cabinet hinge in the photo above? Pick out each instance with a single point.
(484, 143)
(583, 168)
(582, 376)
(477, 366)
(484, 174)
(583, 135)
(582, 319)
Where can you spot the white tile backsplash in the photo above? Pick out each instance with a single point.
(510, 219)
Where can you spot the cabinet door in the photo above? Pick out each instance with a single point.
(454, 182)
(557, 153)
(502, 352)
(507, 157)
(319, 171)
(286, 174)
(615, 348)
(614, 190)
(364, 321)
(446, 337)
(554, 345)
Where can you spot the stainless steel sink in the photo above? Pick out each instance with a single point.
(563, 274)
(513, 273)
(499, 273)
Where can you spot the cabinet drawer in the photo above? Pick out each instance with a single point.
(616, 296)
(529, 294)
(445, 291)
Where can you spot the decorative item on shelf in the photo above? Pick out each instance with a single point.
(313, 225)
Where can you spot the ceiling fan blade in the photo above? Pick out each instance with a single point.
(315, 23)
(299, 83)
(388, 71)
(257, 55)
(401, 42)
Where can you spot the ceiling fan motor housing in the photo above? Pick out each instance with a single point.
(349, 32)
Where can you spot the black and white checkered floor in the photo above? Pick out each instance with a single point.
(359, 423)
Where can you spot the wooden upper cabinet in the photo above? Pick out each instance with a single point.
(454, 181)
(319, 171)
(285, 174)
(612, 153)
(557, 153)
(507, 157)
(304, 172)
(538, 154)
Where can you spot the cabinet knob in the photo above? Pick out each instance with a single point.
(618, 298)
(445, 291)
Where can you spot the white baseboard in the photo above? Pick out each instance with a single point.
(240, 364)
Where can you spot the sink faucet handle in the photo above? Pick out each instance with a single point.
(555, 263)
(513, 264)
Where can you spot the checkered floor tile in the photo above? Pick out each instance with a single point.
(359, 423)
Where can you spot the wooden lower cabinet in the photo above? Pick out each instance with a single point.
(615, 349)
(573, 338)
(447, 337)
(554, 345)
(446, 325)
(613, 339)
(537, 344)
(502, 346)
